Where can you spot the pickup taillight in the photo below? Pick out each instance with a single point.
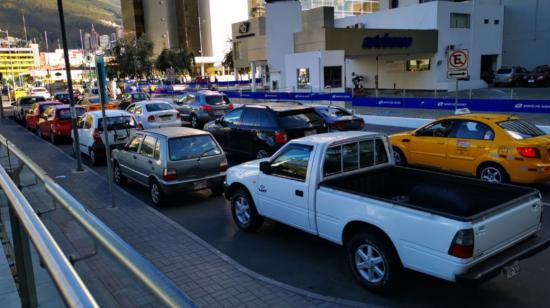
(463, 244)
(280, 137)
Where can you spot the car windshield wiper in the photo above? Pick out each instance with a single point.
(204, 153)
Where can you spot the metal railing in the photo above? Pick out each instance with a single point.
(69, 284)
(130, 259)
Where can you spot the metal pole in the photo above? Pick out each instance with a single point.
(11, 61)
(100, 71)
(76, 141)
(456, 93)
(23, 262)
(2, 103)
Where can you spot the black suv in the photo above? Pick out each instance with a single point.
(261, 129)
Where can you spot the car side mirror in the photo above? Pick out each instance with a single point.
(265, 167)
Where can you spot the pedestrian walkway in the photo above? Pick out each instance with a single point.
(207, 276)
(9, 297)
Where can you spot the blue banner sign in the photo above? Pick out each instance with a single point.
(386, 41)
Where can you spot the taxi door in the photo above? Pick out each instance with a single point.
(428, 147)
(469, 141)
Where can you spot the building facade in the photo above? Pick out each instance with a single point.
(344, 8)
(402, 48)
(18, 61)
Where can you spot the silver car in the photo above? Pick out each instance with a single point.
(512, 76)
(169, 160)
(201, 107)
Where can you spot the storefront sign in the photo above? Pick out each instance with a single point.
(386, 41)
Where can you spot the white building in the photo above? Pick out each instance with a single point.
(402, 48)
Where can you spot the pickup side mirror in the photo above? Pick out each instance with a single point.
(265, 167)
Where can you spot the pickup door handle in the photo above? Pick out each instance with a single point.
(299, 193)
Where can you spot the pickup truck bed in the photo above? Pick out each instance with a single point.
(455, 197)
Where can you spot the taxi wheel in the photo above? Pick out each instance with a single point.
(398, 157)
(492, 173)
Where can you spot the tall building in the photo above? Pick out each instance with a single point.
(344, 8)
(14, 61)
(256, 8)
(203, 26)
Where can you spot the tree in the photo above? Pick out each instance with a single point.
(181, 60)
(133, 57)
(228, 59)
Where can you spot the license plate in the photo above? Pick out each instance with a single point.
(165, 118)
(218, 112)
(310, 132)
(511, 270)
(531, 81)
(200, 185)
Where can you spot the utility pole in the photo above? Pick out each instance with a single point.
(46, 38)
(25, 30)
(76, 141)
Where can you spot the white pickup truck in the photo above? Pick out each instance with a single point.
(345, 188)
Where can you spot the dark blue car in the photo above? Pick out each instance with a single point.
(339, 119)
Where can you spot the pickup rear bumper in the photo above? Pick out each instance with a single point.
(492, 267)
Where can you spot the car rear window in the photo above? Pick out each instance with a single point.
(183, 148)
(334, 112)
(44, 106)
(299, 119)
(119, 122)
(504, 71)
(214, 99)
(65, 114)
(520, 129)
(31, 100)
(158, 107)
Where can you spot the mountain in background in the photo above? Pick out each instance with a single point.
(42, 15)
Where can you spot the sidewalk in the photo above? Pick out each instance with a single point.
(207, 276)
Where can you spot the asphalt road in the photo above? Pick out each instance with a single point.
(302, 260)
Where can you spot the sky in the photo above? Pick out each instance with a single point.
(223, 14)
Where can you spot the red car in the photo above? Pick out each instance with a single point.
(55, 123)
(36, 111)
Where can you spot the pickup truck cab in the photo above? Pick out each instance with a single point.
(344, 187)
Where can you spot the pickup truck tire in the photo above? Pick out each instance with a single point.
(244, 211)
(374, 262)
(398, 157)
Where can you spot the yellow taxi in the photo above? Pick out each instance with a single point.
(493, 147)
(19, 92)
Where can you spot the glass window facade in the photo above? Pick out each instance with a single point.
(344, 8)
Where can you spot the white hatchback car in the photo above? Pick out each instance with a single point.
(120, 126)
(154, 114)
(40, 91)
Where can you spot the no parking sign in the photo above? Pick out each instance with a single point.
(457, 60)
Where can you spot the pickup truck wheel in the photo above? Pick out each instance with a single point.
(374, 262)
(399, 157)
(244, 211)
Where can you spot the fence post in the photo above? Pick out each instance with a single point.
(511, 93)
(23, 262)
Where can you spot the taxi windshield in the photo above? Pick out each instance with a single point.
(520, 129)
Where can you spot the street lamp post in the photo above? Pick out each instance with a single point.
(76, 141)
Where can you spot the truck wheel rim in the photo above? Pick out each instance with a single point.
(242, 210)
(155, 193)
(370, 263)
(194, 122)
(491, 174)
(261, 154)
(397, 158)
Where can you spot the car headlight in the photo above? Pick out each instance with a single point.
(540, 77)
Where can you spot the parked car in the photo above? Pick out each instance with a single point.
(62, 97)
(170, 160)
(492, 147)
(510, 76)
(120, 124)
(132, 97)
(539, 77)
(261, 129)
(344, 187)
(93, 103)
(339, 119)
(154, 114)
(32, 116)
(23, 105)
(203, 106)
(55, 123)
(40, 91)
(19, 92)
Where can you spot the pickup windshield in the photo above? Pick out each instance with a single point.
(520, 129)
(183, 148)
